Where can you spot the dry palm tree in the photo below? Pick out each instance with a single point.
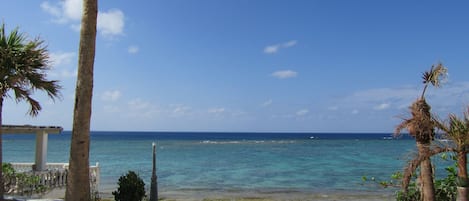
(78, 184)
(23, 67)
(421, 127)
(457, 130)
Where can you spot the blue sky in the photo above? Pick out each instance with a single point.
(250, 65)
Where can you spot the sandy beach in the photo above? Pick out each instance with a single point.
(275, 196)
(235, 195)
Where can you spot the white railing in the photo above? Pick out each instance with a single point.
(55, 174)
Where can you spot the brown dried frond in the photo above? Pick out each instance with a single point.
(420, 125)
(413, 164)
(436, 75)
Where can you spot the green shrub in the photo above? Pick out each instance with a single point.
(445, 188)
(22, 183)
(131, 188)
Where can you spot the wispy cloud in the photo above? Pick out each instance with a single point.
(61, 64)
(133, 49)
(139, 108)
(452, 97)
(382, 106)
(138, 104)
(302, 112)
(267, 103)
(180, 110)
(110, 23)
(217, 110)
(284, 74)
(112, 95)
(61, 58)
(271, 49)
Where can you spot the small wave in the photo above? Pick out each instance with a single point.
(248, 142)
(220, 142)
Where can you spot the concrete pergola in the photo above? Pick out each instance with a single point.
(41, 140)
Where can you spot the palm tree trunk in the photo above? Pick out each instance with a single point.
(426, 173)
(2, 183)
(463, 192)
(78, 184)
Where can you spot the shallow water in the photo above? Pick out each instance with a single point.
(265, 163)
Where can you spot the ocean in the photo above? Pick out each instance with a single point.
(211, 161)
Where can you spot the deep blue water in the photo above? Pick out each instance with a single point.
(226, 161)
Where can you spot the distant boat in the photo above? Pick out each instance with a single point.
(388, 138)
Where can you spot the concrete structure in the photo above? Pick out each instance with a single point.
(51, 175)
(42, 133)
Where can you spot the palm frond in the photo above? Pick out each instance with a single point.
(435, 76)
(456, 129)
(23, 68)
(35, 107)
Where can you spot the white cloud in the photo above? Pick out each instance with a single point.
(302, 112)
(138, 104)
(111, 23)
(68, 73)
(61, 58)
(180, 110)
(289, 44)
(133, 49)
(218, 110)
(452, 97)
(65, 11)
(141, 110)
(112, 95)
(73, 9)
(284, 74)
(51, 9)
(61, 62)
(267, 103)
(382, 106)
(271, 49)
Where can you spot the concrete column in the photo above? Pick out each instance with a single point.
(41, 151)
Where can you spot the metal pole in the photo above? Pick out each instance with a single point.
(154, 182)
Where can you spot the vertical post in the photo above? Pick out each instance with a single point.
(41, 151)
(154, 182)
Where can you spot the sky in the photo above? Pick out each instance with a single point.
(250, 65)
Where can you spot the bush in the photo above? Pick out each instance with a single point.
(131, 188)
(20, 183)
(445, 188)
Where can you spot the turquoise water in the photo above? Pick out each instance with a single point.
(231, 161)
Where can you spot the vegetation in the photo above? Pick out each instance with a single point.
(20, 183)
(445, 188)
(457, 130)
(78, 185)
(421, 127)
(131, 188)
(23, 67)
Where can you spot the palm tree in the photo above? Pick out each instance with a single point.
(421, 127)
(457, 130)
(23, 67)
(78, 184)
